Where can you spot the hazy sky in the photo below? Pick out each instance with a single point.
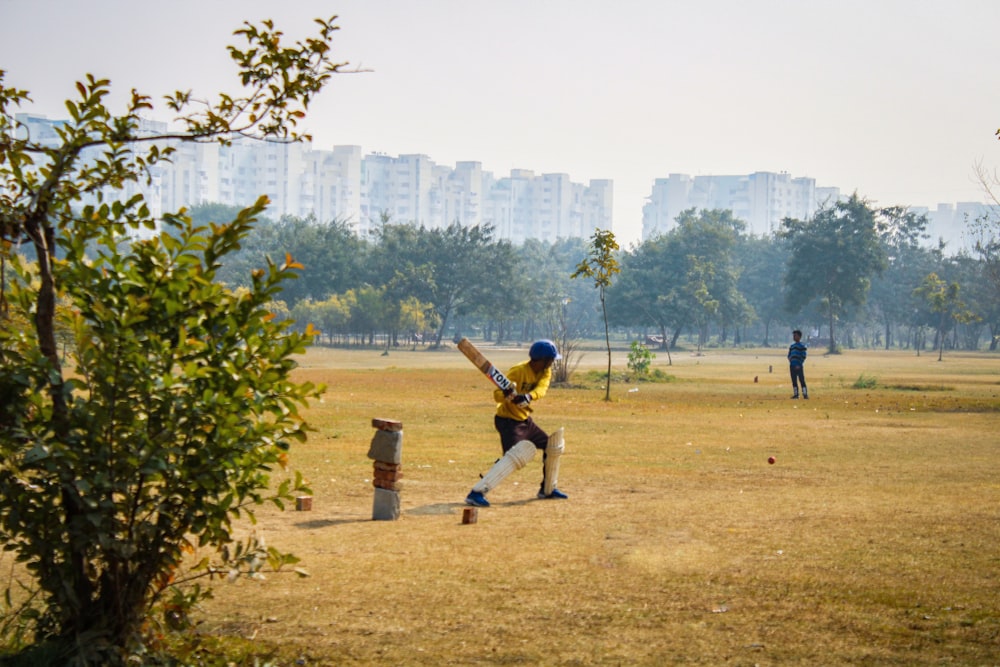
(895, 99)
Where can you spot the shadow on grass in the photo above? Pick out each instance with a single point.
(516, 503)
(457, 507)
(436, 508)
(326, 523)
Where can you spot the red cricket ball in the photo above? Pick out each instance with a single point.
(770, 459)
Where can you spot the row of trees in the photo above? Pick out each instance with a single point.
(858, 275)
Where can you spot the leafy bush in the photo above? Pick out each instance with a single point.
(147, 405)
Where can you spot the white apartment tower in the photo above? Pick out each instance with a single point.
(761, 199)
(546, 207)
(596, 203)
(397, 189)
(193, 176)
(459, 194)
(508, 207)
(331, 184)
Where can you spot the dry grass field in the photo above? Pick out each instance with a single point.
(874, 539)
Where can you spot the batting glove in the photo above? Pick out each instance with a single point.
(522, 399)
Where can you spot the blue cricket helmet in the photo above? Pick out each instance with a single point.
(543, 349)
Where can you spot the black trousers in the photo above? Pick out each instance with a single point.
(798, 377)
(512, 432)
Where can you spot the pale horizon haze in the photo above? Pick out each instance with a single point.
(892, 99)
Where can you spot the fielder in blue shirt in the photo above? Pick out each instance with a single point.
(796, 360)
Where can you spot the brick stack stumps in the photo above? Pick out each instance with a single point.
(387, 452)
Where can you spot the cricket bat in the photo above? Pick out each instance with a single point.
(495, 375)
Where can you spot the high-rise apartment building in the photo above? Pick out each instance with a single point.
(547, 207)
(43, 132)
(761, 199)
(331, 183)
(398, 189)
(459, 196)
(950, 223)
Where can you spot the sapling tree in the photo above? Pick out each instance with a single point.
(944, 299)
(640, 358)
(602, 266)
(164, 418)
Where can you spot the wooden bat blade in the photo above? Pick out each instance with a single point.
(473, 354)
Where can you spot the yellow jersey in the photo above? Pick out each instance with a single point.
(527, 382)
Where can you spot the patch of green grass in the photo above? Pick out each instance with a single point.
(657, 375)
(865, 382)
(595, 379)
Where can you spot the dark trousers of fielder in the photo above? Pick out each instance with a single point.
(798, 377)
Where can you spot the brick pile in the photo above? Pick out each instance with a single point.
(387, 452)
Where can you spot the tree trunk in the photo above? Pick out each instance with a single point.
(673, 340)
(665, 345)
(43, 238)
(940, 337)
(833, 343)
(607, 341)
(444, 323)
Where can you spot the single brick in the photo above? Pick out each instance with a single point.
(387, 484)
(388, 475)
(387, 424)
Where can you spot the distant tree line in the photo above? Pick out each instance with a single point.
(851, 276)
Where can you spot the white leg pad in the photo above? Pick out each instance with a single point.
(516, 458)
(553, 451)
